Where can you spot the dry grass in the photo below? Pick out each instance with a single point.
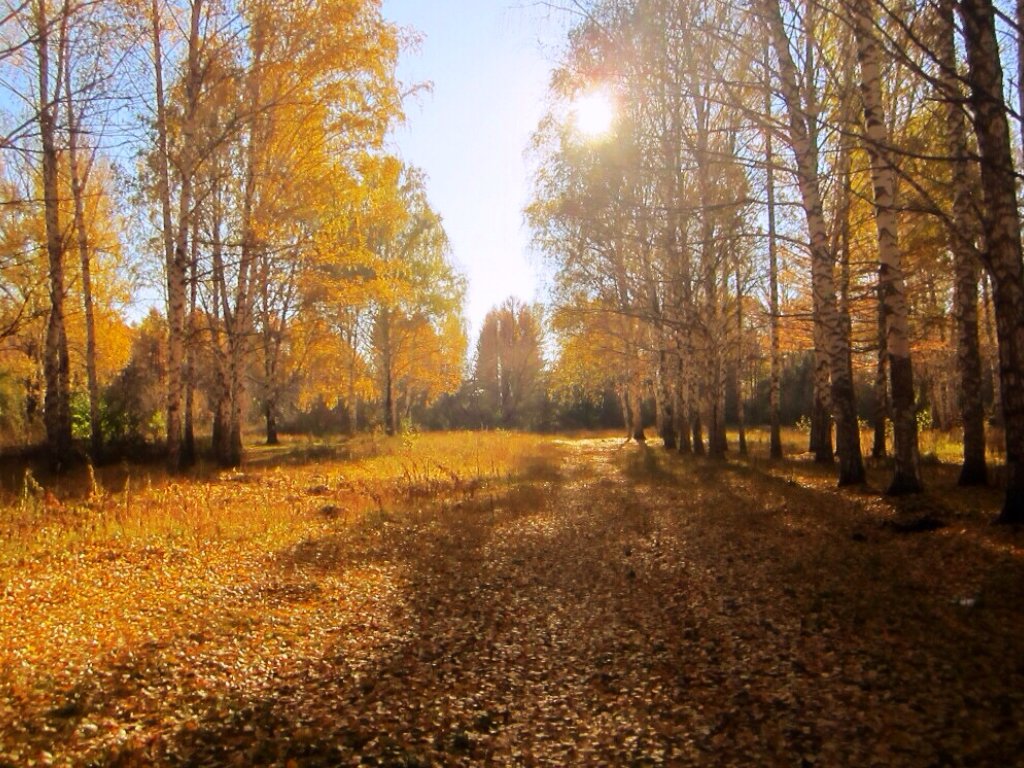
(267, 500)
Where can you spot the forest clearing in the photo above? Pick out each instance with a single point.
(506, 599)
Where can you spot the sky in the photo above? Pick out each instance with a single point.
(489, 63)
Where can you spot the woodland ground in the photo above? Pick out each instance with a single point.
(507, 600)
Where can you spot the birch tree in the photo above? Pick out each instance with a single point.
(891, 287)
(827, 319)
(1001, 225)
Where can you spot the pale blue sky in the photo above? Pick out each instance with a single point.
(489, 63)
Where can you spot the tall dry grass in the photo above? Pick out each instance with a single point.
(279, 494)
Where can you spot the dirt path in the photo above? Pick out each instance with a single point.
(626, 608)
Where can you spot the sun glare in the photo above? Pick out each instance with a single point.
(593, 114)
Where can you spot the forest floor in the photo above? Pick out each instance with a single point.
(509, 600)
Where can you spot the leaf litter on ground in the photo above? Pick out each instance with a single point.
(521, 602)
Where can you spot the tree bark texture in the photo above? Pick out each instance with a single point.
(1001, 225)
(775, 387)
(56, 362)
(851, 464)
(892, 291)
(962, 237)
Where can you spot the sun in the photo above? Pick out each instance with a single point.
(593, 114)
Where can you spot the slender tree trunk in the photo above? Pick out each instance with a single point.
(164, 193)
(714, 376)
(962, 237)
(219, 338)
(252, 248)
(740, 412)
(188, 448)
(179, 321)
(851, 464)
(175, 246)
(1001, 223)
(78, 178)
(906, 468)
(684, 331)
(271, 349)
(841, 229)
(56, 362)
(775, 388)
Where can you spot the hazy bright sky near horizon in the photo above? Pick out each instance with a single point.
(489, 63)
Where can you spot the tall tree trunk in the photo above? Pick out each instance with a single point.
(56, 362)
(1001, 224)
(686, 378)
(962, 237)
(841, 226)
(78, 178)
(175, 245)
(906, 467)
(219, 337)
(775, 387)
(821, 412)
(851, 464)
(252, 248)
(713, 373)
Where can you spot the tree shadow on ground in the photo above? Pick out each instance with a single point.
(915, 624)
(855, 629)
